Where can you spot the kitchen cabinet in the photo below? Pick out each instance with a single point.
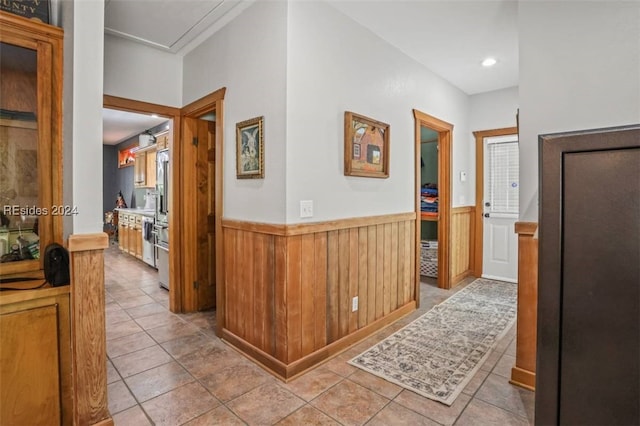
(123, 232)
(140, 170)
(162, 141)
(151, 169)
(136, 236)
(130, 233)
(145, 168)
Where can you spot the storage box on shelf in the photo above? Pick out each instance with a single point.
(429, 258)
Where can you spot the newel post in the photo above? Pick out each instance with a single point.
(88, 329)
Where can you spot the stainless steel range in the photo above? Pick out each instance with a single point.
(161, 226)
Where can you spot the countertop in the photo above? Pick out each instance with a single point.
(143, 212)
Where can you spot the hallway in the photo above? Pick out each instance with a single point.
(171, 369)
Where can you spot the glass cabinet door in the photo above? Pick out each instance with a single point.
(19, 239)
(30, 154)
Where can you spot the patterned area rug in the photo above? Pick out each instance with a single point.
(437, 354)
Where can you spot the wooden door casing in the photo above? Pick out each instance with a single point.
(478, 237)
(445, 141)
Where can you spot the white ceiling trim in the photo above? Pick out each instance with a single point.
(171, 26)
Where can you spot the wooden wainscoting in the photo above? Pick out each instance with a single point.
(462, 248)
(289, 289)
(524, 372)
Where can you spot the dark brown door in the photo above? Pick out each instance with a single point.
(588, 365)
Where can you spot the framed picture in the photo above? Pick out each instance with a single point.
(250, 149)
(38, 10)
(366, 146)
(127, 156)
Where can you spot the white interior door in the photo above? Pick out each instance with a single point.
(501, 189)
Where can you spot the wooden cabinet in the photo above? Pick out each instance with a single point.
(588, 337)
(140, 170)
(162, 141)
(35, 364)
(130, 234)
(136, 237)
(31, 132)
(151, 169)
(123, 231)
(145, 168)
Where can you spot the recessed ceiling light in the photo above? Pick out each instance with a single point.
(154, 115)
(489, 62)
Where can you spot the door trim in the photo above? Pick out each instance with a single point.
(123, 104)
(479, 234)
(211, 102)
(444, 130)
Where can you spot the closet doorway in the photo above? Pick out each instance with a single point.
(433, 137)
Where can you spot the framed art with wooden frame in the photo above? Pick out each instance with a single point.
(250, 149)
(366, 146)
(127, 156)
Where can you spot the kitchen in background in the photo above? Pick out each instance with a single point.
(130, 168)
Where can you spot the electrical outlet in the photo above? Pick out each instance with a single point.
(354, 304)
(306, 208)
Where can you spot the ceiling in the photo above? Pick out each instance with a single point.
(449, 37)
(118, 126)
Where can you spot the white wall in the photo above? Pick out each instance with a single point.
(83, 64)
(248, 57)
(143, 73)
(579, 69)
(490, 110)
(493, 110)
(336, 65)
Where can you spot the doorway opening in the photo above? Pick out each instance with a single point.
(195, 201)
(495, 241)
(436, 220)
(170, 113)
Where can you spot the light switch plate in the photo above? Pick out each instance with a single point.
(306, 208)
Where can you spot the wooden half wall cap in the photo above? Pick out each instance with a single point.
(84, 242)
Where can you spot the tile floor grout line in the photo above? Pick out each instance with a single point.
(129, 283)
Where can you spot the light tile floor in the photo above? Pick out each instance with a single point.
(171, 369)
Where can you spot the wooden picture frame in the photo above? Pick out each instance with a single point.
(366, 146)
(250, 148)
(37, 10)
(127, 156)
